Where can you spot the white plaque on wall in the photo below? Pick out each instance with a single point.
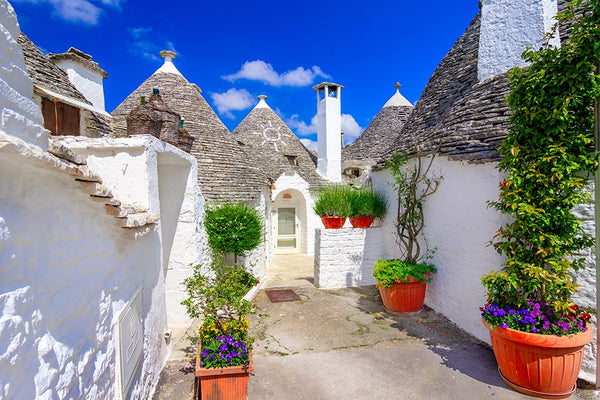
(131, 342)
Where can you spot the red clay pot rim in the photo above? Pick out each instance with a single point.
(541, 340)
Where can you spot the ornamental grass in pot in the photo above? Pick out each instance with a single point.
(403, 282)
(333, 206)
(538, 334)
(223, 359)
(365, 206)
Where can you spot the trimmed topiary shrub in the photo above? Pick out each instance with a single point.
(234, 228)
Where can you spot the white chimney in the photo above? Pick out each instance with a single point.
(507, 28)
(329, 131)
(85, 74)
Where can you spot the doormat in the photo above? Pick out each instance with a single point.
(282, 295)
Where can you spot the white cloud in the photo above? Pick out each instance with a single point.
(79, 11)
(141, 44)
(233, 99)
(261, 71)
(302, 128)
(350, 127)
(309, 144)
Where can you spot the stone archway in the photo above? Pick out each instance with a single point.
(290, 222)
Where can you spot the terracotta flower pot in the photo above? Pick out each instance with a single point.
(361, 222)
(404, 298)
(333, 222)
(230, 383)
(544, 366)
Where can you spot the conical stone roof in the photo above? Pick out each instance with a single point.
(273, 147)
(377, 138)
(224, 170)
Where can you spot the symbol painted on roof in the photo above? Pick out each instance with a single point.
(271, 134)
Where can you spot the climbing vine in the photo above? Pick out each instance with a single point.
(547, 155)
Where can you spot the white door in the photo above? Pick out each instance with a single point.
(287, 234)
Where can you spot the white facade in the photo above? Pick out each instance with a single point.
(459, 226)
(67, 272)
(19, 115)
(345, 257)
(155, 175)
(297, 188)
(88, 81)
(329, 131)
(508, 28)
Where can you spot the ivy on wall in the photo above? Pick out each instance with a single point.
(547, 156)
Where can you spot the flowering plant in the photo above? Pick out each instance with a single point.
(224, 351)
(537, 317)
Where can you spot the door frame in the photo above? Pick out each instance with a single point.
(287, 250)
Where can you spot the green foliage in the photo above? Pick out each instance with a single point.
(219, 294)
(387, 272)
(233, 228)
(333, 200)
(414, 184)
(545, 156)
(364, 202)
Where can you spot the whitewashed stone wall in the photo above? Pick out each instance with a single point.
(156, 175)
(87, 81)
(587, 279)
(345, 257)
(309, 220)
(256, 260)
(20, 116)
(508, 28)
(66, 272)
(459, 226)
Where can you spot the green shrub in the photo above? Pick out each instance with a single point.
(365, 202)
(387, 272)
(219, 295)
(233, 228)
(333, 200)
(547, 150)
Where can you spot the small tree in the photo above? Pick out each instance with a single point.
(234, 228)
(414, 184)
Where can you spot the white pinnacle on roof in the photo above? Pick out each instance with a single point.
(168, 67)
(397, 100)
(262, 103)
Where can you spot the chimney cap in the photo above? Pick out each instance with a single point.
(329, 84)
(167, 54)
(262, 96)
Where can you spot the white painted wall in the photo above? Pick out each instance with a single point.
(156, 175)
(345, 257)
(20, 117)
(66, 271)
(311, 221)
(459, 225)
(88, 82)
(507, 28)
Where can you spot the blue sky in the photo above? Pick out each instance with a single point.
(236, 50)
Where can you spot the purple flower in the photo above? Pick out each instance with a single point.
(534, 330)
(205, 353)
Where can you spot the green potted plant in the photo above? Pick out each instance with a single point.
(223, 359)
(538, 334)
(403, 282)
(365, 206)
(333, 206)
(233, 228)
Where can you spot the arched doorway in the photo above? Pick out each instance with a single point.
(290, 222)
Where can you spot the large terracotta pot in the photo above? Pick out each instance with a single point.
(404, 298)
(333, 222)
(544, 366)
(230, 383)
(361, 222)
